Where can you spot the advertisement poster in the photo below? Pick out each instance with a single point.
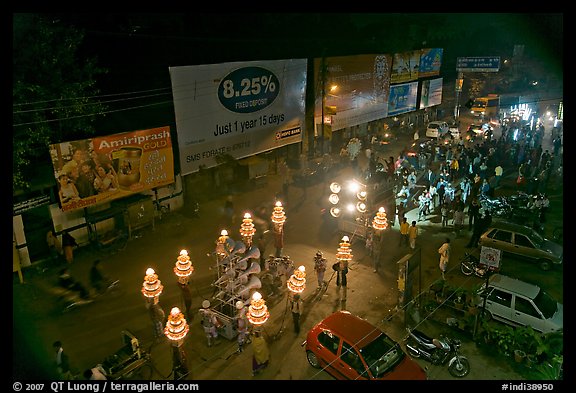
(355, 88)
(402, 98)
(237, 109)
(431, 93)
(405, 67)
(430, 62)
(490, 258)
(100, 169)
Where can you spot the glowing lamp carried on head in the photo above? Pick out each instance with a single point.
(297, 282)
(380, 222)
(247, 229)
(183, 268)
(151, 287)
(257, 311)
(278, 215)
(176, 327)
(344, 253)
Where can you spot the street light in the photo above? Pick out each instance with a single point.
(176, 330)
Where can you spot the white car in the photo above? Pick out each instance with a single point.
(519, 303)
(437, 129)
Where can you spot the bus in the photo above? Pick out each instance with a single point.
(486, 107)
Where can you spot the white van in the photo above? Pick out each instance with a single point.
(436, 129)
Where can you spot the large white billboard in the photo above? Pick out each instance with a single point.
(237, 109)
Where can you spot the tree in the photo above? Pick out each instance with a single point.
(52, 93)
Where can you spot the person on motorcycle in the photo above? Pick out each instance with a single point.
(98, 280)
(66, 281)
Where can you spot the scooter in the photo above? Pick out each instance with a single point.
(438, 351)
(469, 264)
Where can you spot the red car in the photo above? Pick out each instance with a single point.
(349, 347)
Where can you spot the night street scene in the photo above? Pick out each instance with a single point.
(212, 197)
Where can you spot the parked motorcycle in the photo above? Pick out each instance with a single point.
(438, 351)
(498, 207)
(469, 264)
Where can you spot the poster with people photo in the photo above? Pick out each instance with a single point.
(100, 169)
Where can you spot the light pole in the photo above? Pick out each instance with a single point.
(247, 230)
(380, 224)
(278, 219)
(176, 330)
(183, 271)
(343, 256)
(258, 312)
(152, 289)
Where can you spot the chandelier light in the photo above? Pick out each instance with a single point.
(152, 287)
(297, 282)
(176, 327)
(257, 311)
(278, 215)
(183, 268)
(380, 222)
(344, 251)
(247, 229)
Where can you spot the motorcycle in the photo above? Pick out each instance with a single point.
(438, 351)
(469, 264)
(498, 207)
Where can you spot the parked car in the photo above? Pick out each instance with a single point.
(519, 303)
(436, 129)
(524, 242)
(482, 130)
(349, 347)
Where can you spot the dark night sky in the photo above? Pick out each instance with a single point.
(153, 42)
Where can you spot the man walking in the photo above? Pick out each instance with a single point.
(412, 235)
(296, 306)
(444, 252)
(404, 229)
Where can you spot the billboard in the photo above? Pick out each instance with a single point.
(237, 109)
(430, 62)
(402, 98)
(405, 66)
(431, 93)
(355, 89)
(100, 169)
